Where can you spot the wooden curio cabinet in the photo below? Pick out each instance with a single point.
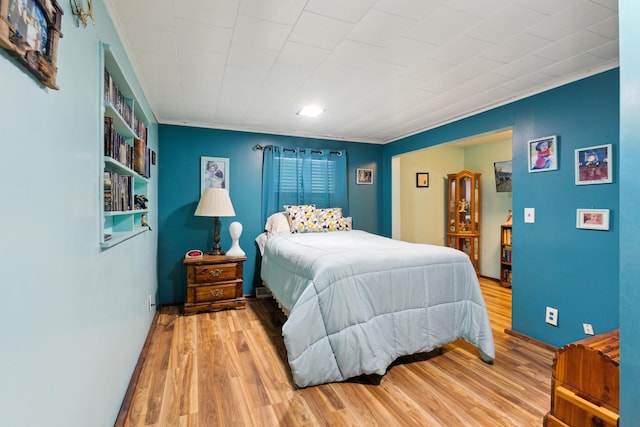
(463, 214)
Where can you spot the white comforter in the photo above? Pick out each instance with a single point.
(358, 301)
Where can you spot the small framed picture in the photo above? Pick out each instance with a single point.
(543, 154)
(364, 176)
(422, 179)
(594, 165)
(592, 219)
(214, 173)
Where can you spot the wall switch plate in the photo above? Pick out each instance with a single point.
(588, 328)
(529, 215)
(551, 316)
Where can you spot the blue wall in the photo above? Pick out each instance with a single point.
(74, 317)
(181, 149)
(629, 224)
(555, 264)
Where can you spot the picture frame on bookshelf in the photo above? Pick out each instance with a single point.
(29, 32)
(543, 154)
(214, 173)
(422, 179)
(592, 219)
(594, 165)
(364, 176)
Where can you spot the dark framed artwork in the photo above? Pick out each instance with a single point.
(543, 154)
(364, 176)
(594, 165)
(422, 179)
(29, 31)
(502, 171)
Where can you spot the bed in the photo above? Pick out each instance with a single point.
(357, 301)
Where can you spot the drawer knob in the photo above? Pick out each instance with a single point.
(216, 292)
(217, 272)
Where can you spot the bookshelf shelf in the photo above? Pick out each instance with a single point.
(506, 255)
(125, 171)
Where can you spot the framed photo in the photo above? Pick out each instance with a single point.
(422, 179)
(29, 31)
(214, 173)
(364, 176)
(592, 219)
(594, 165)
(543, 154)
(502, 171)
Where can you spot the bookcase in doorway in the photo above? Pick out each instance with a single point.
(125, 173)
(506, 258)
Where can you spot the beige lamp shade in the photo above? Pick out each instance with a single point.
(215, 202)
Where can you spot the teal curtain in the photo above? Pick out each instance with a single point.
(302, 176)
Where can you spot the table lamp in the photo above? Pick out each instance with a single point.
(215, 202)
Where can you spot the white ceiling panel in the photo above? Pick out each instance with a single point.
(380, 28)
(219, 13)
(382, 69)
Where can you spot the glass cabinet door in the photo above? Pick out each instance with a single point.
(463, 214)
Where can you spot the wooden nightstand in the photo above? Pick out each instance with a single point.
(213, 283)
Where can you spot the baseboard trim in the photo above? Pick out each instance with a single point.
(128, 397)
(529, 339)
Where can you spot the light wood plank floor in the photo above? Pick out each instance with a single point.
(229, 368)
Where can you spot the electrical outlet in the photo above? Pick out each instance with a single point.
(588, 328)
(551, 317)
(149, 303)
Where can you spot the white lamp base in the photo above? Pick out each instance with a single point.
(235, 230)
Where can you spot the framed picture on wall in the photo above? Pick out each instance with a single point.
(594, 165)
(422, 179)
(29, 32)
(364, 176)
(543, 154)
(592, 219)
(214, 173)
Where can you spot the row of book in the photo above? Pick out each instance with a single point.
(506, 236)
(506, 276)
(118, 192)
(136, 156)
(141, 158)
(113, 95)
(115, 146)
(507, 254)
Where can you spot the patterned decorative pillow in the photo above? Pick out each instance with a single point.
(348, 222)
(302, 218)
(330, 219)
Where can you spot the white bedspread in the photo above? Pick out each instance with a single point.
(358, 301)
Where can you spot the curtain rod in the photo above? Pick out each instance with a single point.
(268, 147)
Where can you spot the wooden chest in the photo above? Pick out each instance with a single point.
(585, 383)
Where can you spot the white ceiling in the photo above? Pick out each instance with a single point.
(383, 69)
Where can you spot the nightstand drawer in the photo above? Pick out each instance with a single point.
(214, 282)
(215, 273)
(210, 293)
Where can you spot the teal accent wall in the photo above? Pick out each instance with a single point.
(629, 225)
(180, 230)
(74, 318)
(555, 264)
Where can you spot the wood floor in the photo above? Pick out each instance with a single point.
(229, 368)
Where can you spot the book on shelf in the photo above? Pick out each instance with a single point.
(506, 235)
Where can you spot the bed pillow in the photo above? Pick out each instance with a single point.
(277, 223)
(302, 218)
(331, 219)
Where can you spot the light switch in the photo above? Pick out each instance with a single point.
(529, 215)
